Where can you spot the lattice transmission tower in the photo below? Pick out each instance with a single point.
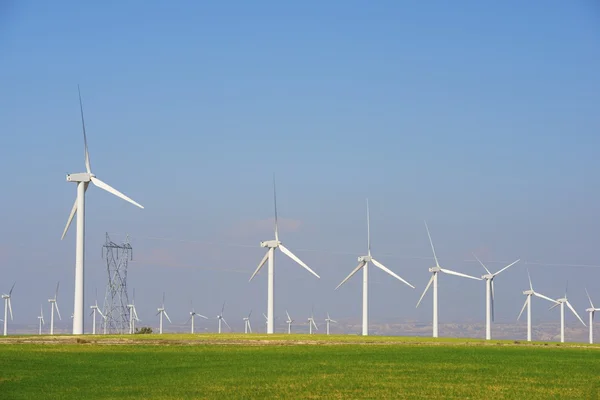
(115, 301)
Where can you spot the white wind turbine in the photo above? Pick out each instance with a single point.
(41, 320)
(289, 322)
(271, 245)
(194, 314)
(133, 317)
(363, 262)
(561, 302)
(311, 323)
(161, 310)
(591, 310)
(54, 305)
(489, 295)
(7, 307)
(83, 179)
(247, 327)
(221, 319)
(96, 309)
(328, 320)
(527, 304)
(434, 279)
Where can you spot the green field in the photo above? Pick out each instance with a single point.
(297, 366)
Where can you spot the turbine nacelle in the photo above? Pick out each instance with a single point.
(435, 269)
(270, 244)
(80, 177)
(365, 259)
(528, 292)
(488, 276)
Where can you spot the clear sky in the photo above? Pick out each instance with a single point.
(480, 117)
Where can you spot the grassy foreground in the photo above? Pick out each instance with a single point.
(231, 367)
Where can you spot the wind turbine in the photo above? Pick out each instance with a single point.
(54, 305)
(160, 312)
(328, 320)
(434, 279)
(7, 307)
(193, 314)
(41, 320)
(363, 262)
(561, 302)
(221, 319)
(247, 327)
(96, 309)
(271, 245)
(83, 179)
(289, 322)
(311, 323)
(527, 304)
(489, 295)
(591, 310)
(132, 315)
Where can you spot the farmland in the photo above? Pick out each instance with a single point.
(292, 366)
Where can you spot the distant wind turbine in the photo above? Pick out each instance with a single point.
(247, 327)
(561, 302)
(591, 310)
(54, 305)
(328, 320)
(289, 322)
(41, 320)
(194, 314)
(311, 323)
(221, 319)
(527, 304)
(7, 307)
(489, 295)
(96, 309)
(434, 279)
(83, 179)
(161, 310)
(271, 245)
(133, 317)
(363, 262)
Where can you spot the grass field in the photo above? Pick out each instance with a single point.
(296, 366)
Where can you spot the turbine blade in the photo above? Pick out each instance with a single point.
(202, 316)
(87, 156)
(523, 309)
(189, 319)
(492, 299)
(288, 315)
(10, 309)
(554, 306)
(260, 265)
(114, 191)
(275, 205)
(334, 321)
(589, 298)
(508, 266)
(100, 312)
(570, 307)
(249, 327)
(541, 296)
(368, 229)
(222, 308)
(447, 271)
(71, 215)
(382, 267)
(432, 248)
(293, 257)
(425, 291)
(529, 276)
(57, 311)
(11, 289)
(484, 267)
(225, 322)
(167, 315)
(355, 270)
(56, 292)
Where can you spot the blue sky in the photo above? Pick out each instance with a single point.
(480, 118)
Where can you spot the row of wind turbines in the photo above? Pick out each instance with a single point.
(84, 178)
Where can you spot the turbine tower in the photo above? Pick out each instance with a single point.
(363, 262)
(328, 320)
(54, 305)
(434, 279)
(591, 310)
(41, 320)
(83, 179)
(561, 302)
(289, 322)
(7, 307)
(160, 312)
(133, 317)
(221, 319)
(271, 245)
(247, 327)
(527, 304)
(194, 314)
(489, 296)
